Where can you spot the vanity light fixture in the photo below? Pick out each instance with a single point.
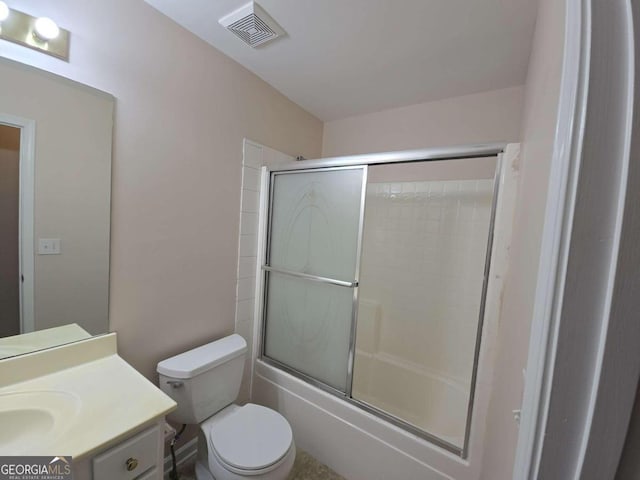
(46, 29)
(4, 11)
(39, 33)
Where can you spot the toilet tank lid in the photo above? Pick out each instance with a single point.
(200, 359)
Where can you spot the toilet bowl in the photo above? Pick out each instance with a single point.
(234, 442)
(248, 441)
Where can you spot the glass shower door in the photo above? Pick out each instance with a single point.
(414, 276)
(423, 277)
(312, 271)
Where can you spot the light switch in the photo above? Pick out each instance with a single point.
(49, 246)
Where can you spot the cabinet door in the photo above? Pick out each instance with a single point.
(129, 459)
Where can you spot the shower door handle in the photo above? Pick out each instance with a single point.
(313, 278)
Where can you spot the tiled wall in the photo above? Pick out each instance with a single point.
(255, 156)
(420, 287)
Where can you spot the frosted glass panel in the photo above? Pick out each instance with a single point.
(308, 327)
(315, 221)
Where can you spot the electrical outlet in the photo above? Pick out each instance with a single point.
(516, 416)
(49, 246)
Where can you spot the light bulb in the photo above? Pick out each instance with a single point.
(4, 11)
(46, 29)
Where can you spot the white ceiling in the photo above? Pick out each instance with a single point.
(347, 57)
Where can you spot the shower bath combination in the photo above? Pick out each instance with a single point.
(376, 277)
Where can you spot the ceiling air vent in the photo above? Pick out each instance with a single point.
(252, 25)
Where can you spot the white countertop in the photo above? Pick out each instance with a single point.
(112, 399)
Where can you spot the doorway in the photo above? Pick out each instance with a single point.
(10, 316)
(17, 199)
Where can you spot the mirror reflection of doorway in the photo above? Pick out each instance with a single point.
(9, 230)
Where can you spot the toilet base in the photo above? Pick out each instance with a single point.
(202, 473)
(209, 467)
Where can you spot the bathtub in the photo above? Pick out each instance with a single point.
(434, 403)
(355, 443)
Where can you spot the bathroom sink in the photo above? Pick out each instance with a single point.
(33, 419)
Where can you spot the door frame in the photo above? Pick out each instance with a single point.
(26, 215)
(577, 399)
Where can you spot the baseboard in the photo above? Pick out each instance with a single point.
(184, 454)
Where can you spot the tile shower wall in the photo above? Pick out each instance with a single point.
(421, 282)
(255, 156)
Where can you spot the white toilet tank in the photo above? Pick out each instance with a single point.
(204, 380)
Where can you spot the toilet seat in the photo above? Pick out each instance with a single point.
(248, 440)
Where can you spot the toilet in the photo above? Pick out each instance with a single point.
(234, 442)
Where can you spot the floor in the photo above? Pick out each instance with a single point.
(308, 468)
(305, 468)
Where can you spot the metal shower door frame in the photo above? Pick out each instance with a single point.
(363, 161)
(267, 269)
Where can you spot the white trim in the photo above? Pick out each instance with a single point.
(184, 454)
(26, 217)
(604, 402)
(554, 250)
(265, 175)
(562, 409)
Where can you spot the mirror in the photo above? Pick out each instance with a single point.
(55, 197)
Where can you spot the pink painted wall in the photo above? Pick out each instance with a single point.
(538, 135)
(182, 110)
(492, 116)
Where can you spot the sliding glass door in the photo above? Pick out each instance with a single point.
(312, 269)
(422, 276)
(386, 311)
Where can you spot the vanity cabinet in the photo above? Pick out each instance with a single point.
(110, 435)
(138, 457)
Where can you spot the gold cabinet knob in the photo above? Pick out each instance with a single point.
(132, 463)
